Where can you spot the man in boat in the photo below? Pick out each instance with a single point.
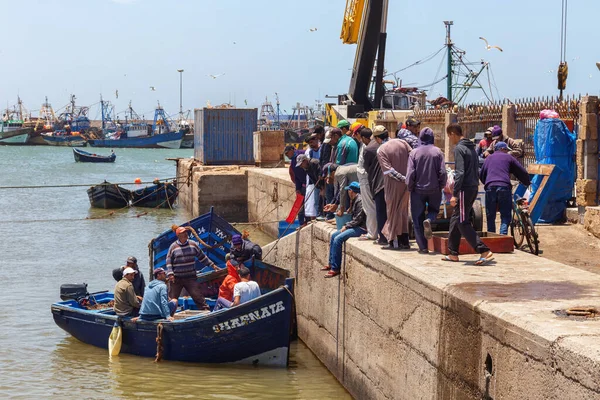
(243, 250)
(127, 304)
(245, 290)
(156, 303)
(181, 268)
(354, 228)
(225, 299)
(139, 284)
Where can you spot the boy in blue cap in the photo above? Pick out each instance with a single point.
(354, 228)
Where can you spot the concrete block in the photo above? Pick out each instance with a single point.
(588, 127)
(591, 220)
(268, 148)
(591, 146)
(586, 185)
(588, 104)
(586, 199)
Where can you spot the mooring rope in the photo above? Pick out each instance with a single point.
(70, 185)
(159, 343)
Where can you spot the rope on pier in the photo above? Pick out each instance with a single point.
(79, 185)
(159, 343)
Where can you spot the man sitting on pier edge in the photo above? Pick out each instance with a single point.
(181, 267)
(243, 250)
(354, 228)
(156, 303)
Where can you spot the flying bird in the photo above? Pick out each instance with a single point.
(234, 42)
(312, 30)
(246, 102)
(117, 94)
(152, 88)
(487, 46)
(216, 76)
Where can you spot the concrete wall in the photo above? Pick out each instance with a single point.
(405, 326)
(224, 188)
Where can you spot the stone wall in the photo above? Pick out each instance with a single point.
(401, 325)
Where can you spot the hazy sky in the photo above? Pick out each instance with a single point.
(91, 47)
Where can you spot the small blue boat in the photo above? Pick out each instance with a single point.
(108, 195)
(58, 139)
(84, 156)
(211, 228)
(159, 195)
(256, 332)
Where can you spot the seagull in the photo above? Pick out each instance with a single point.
(245, 102)
(312, 30)
(117, 93)
(216, 76)
(487, 46)
(152, 88)
(234, 43)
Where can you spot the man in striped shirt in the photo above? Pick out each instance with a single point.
(181, 268)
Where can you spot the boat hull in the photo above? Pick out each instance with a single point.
(188, 141)
(256, 332)
(84, 156)
(171, 140)
(108, 195)
(162, 195)
(68, 141)
(17, 136)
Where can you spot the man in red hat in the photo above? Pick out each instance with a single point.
(181, 268)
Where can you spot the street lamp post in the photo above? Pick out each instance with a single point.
(180, 93)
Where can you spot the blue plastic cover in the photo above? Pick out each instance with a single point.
(555, 144)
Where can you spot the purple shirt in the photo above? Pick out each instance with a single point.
(426, 171)
(497, 168)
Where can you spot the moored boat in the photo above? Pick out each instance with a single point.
(12, 130)
(84, 156)
(256, 332)
(108, 195)
(61, 138)
(159, 195)
(171, 140)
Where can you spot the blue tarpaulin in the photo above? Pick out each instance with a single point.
(555, 144)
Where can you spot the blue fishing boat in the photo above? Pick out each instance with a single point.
(159, 195)
(84, 156)
(60, 138)
(211, 229)
(108, 195)
(161, 135)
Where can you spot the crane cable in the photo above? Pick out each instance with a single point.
(563, 67)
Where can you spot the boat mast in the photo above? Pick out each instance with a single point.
(449, 44)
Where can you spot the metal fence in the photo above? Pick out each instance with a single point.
(434, 119)
(528, 114)
(478, 117)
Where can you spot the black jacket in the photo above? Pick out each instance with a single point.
(466, 168)
(246, 252)
(371, 165)
(358, 214)
(314, 170)
(139, 284)
(325, 155)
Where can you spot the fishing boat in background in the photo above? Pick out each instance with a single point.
(42, 124)
(159, 195)
(84, 156)
(71, 128)
(64, 138)
(162, 135)
(184, 125)
(108, 195)
(12, 128)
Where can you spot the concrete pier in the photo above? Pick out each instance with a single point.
(399, 325)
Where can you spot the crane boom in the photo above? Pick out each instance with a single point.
(352, 21)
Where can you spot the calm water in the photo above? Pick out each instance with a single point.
(47, 241)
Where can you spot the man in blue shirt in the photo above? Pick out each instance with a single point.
(156, 304)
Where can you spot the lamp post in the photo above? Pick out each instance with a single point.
(180, 95)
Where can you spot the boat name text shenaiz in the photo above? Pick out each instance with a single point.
(264, 312)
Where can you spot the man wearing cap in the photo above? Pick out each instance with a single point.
(495, 175)
(313, 185)
(156, 303)
(297, 175)
(127, 304)
(376, 183)
(341, 176)
(326, 146)
(353, 228)
(515, 146)
(484, 145)
(181, 267)
(410, 133)
(426, 178)
(363, 179)
(243, 250)
(139, 284)
(347, 149)
(393, 158)
(314, 146)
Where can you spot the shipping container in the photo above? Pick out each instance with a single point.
(224, 136)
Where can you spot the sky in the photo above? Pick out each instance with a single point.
(95, 47)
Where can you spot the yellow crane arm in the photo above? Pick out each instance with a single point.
(352, 21)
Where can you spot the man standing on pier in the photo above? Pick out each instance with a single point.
(393, 158)
(364, 135)
(410, 133)
(466, 184)
(425, 178)
(181, 268)
(298, 177)
(376, 184)
(347, 148)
